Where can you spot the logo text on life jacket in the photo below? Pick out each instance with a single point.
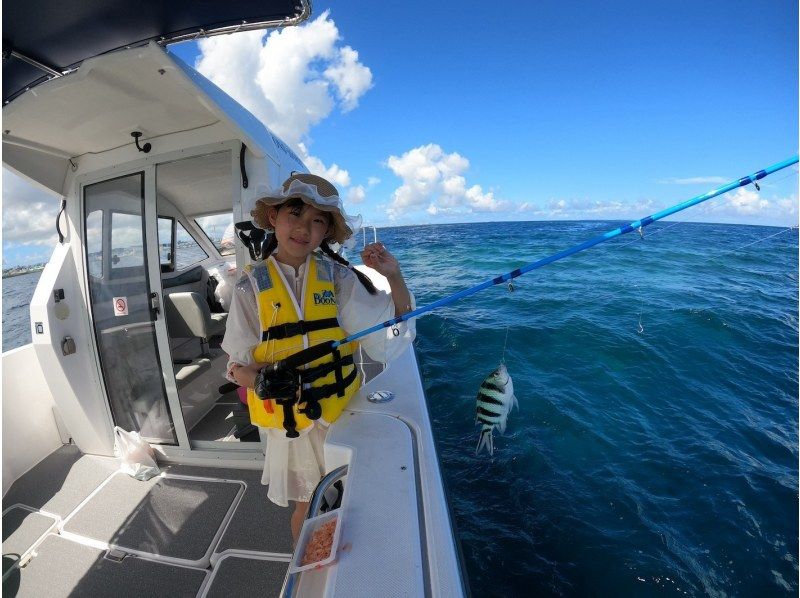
(324, 298)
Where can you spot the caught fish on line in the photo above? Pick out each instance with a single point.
(495, 400)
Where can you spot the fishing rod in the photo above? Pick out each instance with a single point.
(317, 351)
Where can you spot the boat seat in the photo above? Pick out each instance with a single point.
(188, 316)
(185, 373)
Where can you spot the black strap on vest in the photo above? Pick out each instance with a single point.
(312, 396)
(281, 331)
(324, 369)
(340, 386)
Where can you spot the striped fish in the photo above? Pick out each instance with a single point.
(495, 399)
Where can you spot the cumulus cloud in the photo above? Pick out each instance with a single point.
(434, 180)
(698, 180)
(757, 207)
(29, 213)
(356, 194)
(291, 80)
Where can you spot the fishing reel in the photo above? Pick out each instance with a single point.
(283, 385)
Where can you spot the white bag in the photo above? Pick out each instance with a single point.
(137, 458)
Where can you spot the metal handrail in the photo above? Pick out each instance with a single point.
(289, 583)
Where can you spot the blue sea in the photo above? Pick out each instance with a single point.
(655, 450)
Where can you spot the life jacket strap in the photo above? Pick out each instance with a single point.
(313, 396)
(324, 369)
(281, 331)
(340, 386)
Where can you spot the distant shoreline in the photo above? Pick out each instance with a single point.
(22, 273)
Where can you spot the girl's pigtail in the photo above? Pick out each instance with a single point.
(326, 249)
(269, 246)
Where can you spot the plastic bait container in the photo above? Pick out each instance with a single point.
(307, 533)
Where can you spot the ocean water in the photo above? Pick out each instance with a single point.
(655, 450)
(17, 294)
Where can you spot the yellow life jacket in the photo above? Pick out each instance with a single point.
(287, 328)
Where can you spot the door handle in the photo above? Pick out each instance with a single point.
(155, 305)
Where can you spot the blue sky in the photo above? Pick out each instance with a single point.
(450, 112)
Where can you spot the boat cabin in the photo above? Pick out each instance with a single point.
(154, 165)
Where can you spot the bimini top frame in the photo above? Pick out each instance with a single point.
(44, 39)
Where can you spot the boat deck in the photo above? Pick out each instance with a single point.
(73, 525)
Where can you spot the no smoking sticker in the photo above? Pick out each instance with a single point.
(120, 306)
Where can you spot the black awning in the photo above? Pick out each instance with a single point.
(60, 34)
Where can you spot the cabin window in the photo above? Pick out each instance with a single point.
(187, 251)
(219, 230)
(94, 243)
(166, 243)
(127, 246)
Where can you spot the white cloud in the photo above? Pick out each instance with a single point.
(352, 79)
(29, 213)
(742, 205)
(372, 181)
(698, 180)
(585, 209)
(291, 80)
(334, 173)
(758, 208)
(356, 194)
(430, 177)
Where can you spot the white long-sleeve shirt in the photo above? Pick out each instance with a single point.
(357, 310)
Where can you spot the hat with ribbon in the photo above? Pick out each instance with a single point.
(313, 190)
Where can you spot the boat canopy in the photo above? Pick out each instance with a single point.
(44, 39)
(96, 108)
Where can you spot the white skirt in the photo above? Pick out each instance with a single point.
(293, 466)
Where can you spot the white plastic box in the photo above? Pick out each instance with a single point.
(309, 527)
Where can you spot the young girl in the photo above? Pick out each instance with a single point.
(303, 294)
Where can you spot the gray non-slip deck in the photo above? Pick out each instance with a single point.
(63, 568)
(170, 517)
(242, 576)
(152, 516)
(22, 528)
(258, 524)
(60, 481)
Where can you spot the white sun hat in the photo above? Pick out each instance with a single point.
(313, 190)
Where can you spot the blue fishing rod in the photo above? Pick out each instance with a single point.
(636, 225)
(313, 353)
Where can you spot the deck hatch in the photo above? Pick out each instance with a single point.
(236, 575)
(176, 519)
(63, 568)
(23, 527)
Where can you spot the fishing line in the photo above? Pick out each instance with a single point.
(505, 343)
(640, 328)
(307, 355)
(780, 232)
(652, 234)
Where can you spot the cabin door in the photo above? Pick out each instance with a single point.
(127, 311)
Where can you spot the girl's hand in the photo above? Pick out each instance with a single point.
(245, 375)
(377, 257)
